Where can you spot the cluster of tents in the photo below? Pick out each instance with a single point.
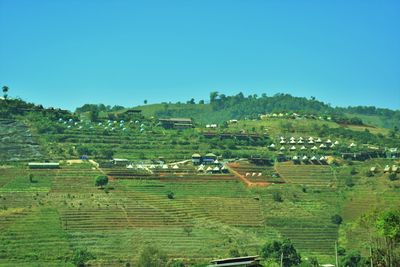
(212, 169)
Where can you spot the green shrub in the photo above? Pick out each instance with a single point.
(81, 257)
(277, 197)
(336, 219)
(101, 180)
(393, 176)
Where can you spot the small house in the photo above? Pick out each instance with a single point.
(196, 159)
(43, 165)
(247, 261)
(176, 123)
(120, 162)
(209, 158)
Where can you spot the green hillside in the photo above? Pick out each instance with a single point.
(47, 217)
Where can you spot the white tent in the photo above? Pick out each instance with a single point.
(336, 142)
(292, 142)
(314, 148)
(322, 146)
(200, 168)
(304, 158)
(282, 148)
(282, 142)
(318, 140)
(272, 146)
(175, 167)
(165, 166)
(352, 145)
(311, 142)
(313, 158)
(300, 142)
(293, 148)
(295, 158)
(328, 141)
(303, 148)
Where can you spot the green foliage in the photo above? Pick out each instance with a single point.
(388, 224)
(353, 171)
(107, 153)
(278, 250)
(94, 115)
(30, 176)
(152, 256)
(337, 219)
(393, 176)
(81, 257)
(277, 197)
(349, 182)
(352, 259)
(170, 195)
(188, 229)
(101, 180)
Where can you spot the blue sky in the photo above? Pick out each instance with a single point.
(65, 53)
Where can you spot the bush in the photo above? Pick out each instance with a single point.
(349, 182)
(277, 197)
(170, 195)
(151, 256)
(81, 256)
(369, 173)
(353, 171)
(393, 176)
(336, 219)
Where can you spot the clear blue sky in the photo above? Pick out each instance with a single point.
(65, 53)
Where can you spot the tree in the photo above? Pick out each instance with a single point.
(145, 101)
(101, 181)
(5, 91)
(31, 177)
(94, 115)
(388, 226)
(188, 229)
(107, 153)
(349, 182)
(285, 251)
(277, 197)
(393, 176)
(152, 256)
(170, 195)
(213, 96)
(353, 259)
(81, 257)
(336, 219)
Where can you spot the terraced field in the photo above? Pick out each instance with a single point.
(318, 176)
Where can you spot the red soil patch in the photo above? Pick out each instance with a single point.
(243, 178)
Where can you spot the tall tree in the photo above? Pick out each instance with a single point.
(5, 91)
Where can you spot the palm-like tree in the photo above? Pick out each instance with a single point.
(5, 91)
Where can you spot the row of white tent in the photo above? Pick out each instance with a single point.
(321, 146)
(394, 168)
(253, 174)
(318, 141)
(203, 168)
(152, 166)
(313, 158)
